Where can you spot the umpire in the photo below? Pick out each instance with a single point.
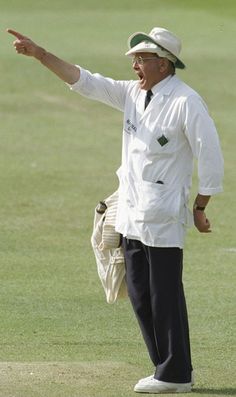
(166, 125)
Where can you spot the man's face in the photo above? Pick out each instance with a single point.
(147, 66)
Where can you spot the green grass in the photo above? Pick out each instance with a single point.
(59, 153)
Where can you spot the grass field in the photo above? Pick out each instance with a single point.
(59, 154)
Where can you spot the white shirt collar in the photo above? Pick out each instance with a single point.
(158, 87)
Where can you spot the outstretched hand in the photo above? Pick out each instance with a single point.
(65, 71)
(24, 45)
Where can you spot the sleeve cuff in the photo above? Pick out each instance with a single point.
(76, 86)
(210, 191)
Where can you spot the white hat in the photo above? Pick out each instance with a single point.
(159, 41)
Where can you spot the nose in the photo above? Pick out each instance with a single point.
(135, 65)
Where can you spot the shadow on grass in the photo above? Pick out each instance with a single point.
(219, 392)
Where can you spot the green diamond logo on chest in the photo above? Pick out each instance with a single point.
(162, 140)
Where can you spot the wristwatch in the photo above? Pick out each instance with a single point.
(198, 208)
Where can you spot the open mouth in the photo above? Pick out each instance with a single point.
(141, 77)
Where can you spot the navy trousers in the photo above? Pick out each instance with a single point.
(155, 288)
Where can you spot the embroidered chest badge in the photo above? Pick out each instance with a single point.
(162, 140)
(130, 126)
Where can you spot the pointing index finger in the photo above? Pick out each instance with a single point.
(16, 34)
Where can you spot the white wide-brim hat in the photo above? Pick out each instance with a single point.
(160, 41)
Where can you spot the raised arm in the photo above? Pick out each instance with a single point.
(64, 70)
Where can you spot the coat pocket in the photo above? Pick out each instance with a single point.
(158, 203)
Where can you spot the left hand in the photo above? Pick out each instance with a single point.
(201, 222)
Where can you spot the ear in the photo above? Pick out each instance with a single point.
(164, 65)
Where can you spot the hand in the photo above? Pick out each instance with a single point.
(67, 72)
(201, 222)
(26, 46)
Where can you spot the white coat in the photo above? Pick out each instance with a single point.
(159, 146)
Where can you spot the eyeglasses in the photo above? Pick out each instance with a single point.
(140, 60)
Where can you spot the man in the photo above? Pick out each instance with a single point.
(166, 125)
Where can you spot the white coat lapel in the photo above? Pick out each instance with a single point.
(140, 104)
(157, 101)
(160, 97)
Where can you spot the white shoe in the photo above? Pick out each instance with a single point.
(157, 387)
(144, 380)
